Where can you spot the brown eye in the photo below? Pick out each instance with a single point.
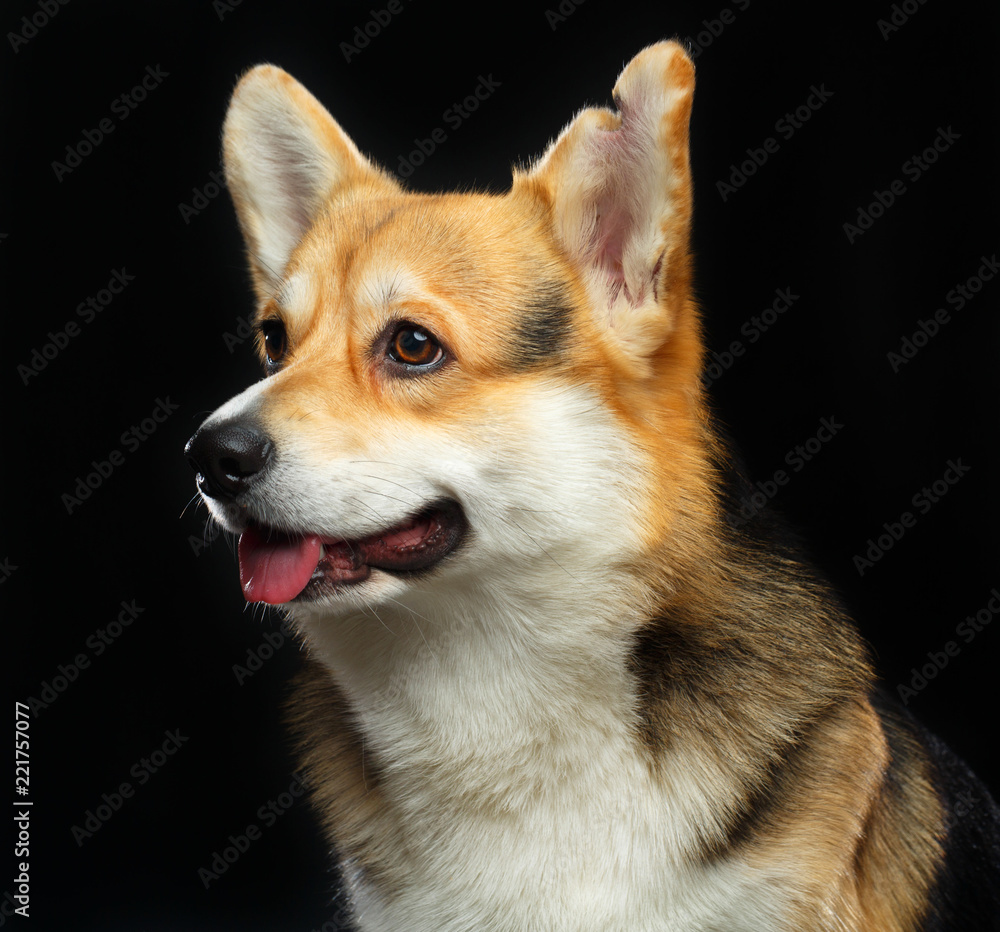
(414, 346)
(275, 341)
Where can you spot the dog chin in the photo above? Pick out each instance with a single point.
(324, 601)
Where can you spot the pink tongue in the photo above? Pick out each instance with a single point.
(276, 568)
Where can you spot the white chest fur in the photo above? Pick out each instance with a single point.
(518, 798)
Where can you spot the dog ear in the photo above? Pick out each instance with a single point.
(618, 185)
(284, 156)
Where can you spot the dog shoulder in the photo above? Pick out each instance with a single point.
(965, 893)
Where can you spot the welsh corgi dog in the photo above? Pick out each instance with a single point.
(549, 686)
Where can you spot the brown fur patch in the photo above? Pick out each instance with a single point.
(752, 660)
(344, 782)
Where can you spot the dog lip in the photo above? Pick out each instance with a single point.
(344, 562)
(442, 525)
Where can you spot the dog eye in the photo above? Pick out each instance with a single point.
(275, 341)
(414, 346)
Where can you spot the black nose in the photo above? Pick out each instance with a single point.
(228, 458)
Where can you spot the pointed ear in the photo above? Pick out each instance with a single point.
(284, 157)
(618, 185)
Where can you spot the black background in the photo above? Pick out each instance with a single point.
(164, 337)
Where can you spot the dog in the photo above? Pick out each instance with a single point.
(549, 685)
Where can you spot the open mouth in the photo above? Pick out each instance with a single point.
(276, 567)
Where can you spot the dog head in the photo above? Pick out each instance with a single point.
(462, 390)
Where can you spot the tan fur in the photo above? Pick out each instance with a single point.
(746, 682)
(345, 781)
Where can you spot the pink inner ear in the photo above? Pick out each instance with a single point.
(613, 227)
(619, 158)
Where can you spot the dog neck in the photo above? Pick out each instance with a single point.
(483, 680)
